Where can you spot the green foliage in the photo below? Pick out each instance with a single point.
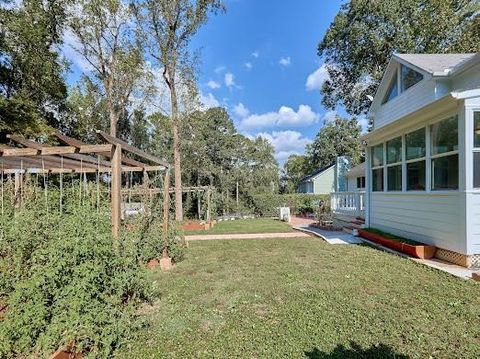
(340, 137)
(32, 89)
(365, 33)
(295, 167)
(266, 205)
(66, 280)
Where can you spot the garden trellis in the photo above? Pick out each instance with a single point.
(75, 156)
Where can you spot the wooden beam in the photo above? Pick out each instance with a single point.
(132, 149)
(74, 142)
(116, 190)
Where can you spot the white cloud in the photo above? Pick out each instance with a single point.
(285, 61)
(220, 69)
(329, 116)
(255, 54)
(208, 101)
(248, 65)
(285, 116)
(363, 121)
(241, 111)
(316, 79)
(229, 79)
(286, 143)
(213, 84)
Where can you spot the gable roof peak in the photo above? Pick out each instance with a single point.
(436, 64)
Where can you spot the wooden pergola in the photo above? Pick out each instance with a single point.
(75, 156)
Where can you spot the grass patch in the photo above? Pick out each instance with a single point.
(257, 225)
(300, 298)
(393, 237)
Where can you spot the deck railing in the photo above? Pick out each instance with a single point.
(348, 203)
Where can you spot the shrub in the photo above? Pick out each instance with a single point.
(65, 284)
(266, 205)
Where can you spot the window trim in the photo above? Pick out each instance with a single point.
(394, 164)
(474, 149)
(432, 157)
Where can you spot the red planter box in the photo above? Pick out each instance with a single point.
(417, 251)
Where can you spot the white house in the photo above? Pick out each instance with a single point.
(423, 154)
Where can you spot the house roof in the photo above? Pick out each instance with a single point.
(437, 64)
(315, 173)
(357, 171)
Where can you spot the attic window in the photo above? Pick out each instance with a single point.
(410, 77)
(392, 90)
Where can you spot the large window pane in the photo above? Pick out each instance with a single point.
(476, 169)
(394, 150)
(410, 77)
(394, 178)
(476, 129)
(445, 173)
(392, 91)
(445, 136)
(415, 144)
(416, 176)
(377, 180)
(377, 156)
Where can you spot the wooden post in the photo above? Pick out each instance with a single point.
(208, 205)
(116, 189)
(166, 208)
(237, 196)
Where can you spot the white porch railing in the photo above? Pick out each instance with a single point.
(348, 203)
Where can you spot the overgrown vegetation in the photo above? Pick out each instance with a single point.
(64, 279)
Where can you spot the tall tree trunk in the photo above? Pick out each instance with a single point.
(176, 153)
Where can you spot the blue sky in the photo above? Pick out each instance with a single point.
(256, 60)
(259, 60)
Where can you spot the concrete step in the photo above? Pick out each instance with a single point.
(350, 230)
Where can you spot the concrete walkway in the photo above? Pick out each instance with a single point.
(331, 237)
(209, 237)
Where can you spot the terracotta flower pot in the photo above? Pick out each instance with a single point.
(152, 263)
(418, 251)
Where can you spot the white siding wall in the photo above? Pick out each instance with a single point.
(407, 102)
(431, 218)
(352, 184)
(473, 205)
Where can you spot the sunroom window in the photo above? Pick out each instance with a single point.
(476, 149)
(394, 164)
(409, 77)
(444, 157)
(415, 157)
(377, 168)
(392, 91)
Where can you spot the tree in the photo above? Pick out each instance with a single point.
(365, 33)
(86, 112)
(168, 26)
(340, 137)
(107, 42)
(294, 169)
(32, 89)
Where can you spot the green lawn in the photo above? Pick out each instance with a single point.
(258, 225)
(303, 298)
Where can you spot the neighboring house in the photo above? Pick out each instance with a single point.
(356, 178)
(423, 154)
(321, 181)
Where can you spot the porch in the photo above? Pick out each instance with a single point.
(351, 204)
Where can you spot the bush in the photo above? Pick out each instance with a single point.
(299, 203)
(65, 284)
